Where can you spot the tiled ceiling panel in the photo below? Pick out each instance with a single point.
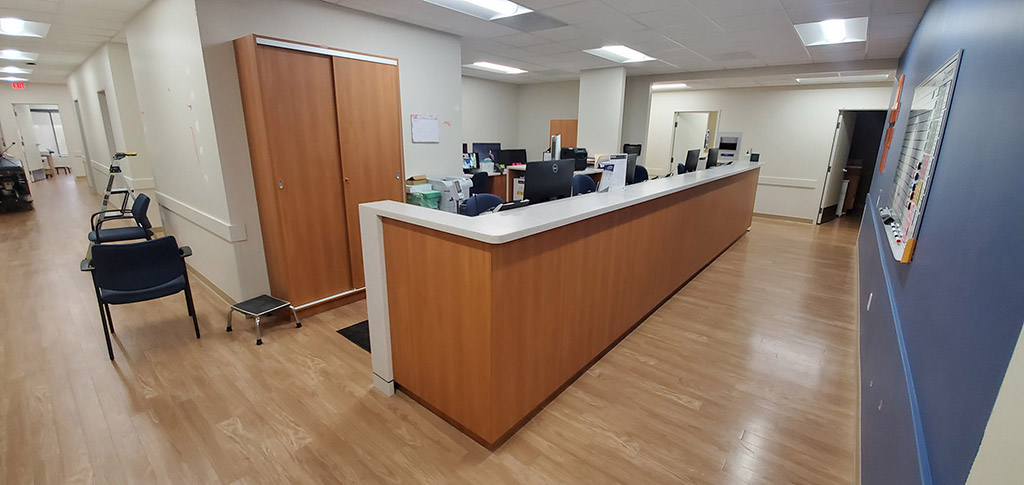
(78, 28)
(685, 35)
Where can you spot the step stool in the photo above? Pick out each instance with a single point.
(261, 306)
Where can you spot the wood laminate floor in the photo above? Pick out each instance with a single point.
(747, 375)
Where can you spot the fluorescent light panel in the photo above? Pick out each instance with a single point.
(483, 9)
(863, 78)
(620, 54)
(668, 86)
(498, 68)
(12, 79)
(16, 27)
(833, 31)
(15, 70)
(16, 55)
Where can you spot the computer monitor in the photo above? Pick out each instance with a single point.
(548, 180)
(470, 161)
(712, 158)
(692, 157)
(487, 152)
(631, 149)
(630, 167)
(516, 156)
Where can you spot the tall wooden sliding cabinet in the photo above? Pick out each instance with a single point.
(325, 135)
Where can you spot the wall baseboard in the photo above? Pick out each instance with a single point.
(209, 284)
(784, 218)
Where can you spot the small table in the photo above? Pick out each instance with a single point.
(261, 306)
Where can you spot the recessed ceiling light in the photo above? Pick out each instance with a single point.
(833, 31)
(620, 54)
(23, 28)
(16, 55)
(15, 70)
(492, 67)
(13, 79)
(483, 9)
(668, 86)
(859, 78)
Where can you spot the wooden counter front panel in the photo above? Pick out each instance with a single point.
(484, 334)
(580, 287)
(439, 289)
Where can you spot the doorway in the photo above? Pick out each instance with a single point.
(85, 145)
(44, 146)
(692, 130)
(855, 146)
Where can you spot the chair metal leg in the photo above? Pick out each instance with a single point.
(298, 324)
(110, 321)
(191, 306)
(230, 311)
(106, 331)
(259, 339)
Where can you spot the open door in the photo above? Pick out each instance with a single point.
(830, 194)
(692, 130)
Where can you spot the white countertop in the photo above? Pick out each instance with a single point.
(502, 227)
(587, 171)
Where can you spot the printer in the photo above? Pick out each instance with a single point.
(453, 191)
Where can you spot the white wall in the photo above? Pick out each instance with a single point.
(490, 112)
(998, 459)
(602, 95)
(538, 105)
(41, 93)
(791, 127)
(109, 70)
(170, 81)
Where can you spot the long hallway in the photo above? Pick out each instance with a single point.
(747, 375)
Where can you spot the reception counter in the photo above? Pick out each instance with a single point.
(485, 319)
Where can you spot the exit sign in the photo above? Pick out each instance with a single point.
(18, 85)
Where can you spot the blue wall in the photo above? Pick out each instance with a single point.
(956, 311)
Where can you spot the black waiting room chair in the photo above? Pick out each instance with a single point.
(135, 272)
(640, 175)
(141, 230)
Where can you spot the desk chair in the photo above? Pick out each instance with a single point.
(582, 184)
(135, 272)
(640, 175)
(141, 230)
(632, 149)
(481, 184)
(480, 203)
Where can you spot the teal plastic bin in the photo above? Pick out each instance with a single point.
(430, 199)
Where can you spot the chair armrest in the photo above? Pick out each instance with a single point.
(119, 191)
(185, 251)
(96, 221)
(86, 265)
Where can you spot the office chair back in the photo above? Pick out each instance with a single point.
(139, 209)
(137, 266)
(640, 174)
(582, 184)
(480, 203)
(481, 183)
(632, 149)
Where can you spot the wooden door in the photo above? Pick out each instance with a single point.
(293, 138)
(566, 128)
(369, 124)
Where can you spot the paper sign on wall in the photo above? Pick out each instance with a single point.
(425, 129)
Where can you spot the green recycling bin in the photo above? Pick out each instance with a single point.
(430, 199)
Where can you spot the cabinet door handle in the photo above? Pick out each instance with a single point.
(280, 184)
(398, 176)
(346, 180)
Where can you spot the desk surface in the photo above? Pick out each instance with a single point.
(502, 227)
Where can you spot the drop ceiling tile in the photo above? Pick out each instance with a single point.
(893, 26)
(682, 14)
(818, 11)
(775, 19)
(640, 6)
(715, 9)
(543, 4)
(887, 48)
(569, 32)
(521, 40)
(898, 6)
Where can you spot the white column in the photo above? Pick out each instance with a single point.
(602, 95)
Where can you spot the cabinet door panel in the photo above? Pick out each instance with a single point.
(370, 129)
(297, 94)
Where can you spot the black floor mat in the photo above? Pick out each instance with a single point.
(359, 334)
